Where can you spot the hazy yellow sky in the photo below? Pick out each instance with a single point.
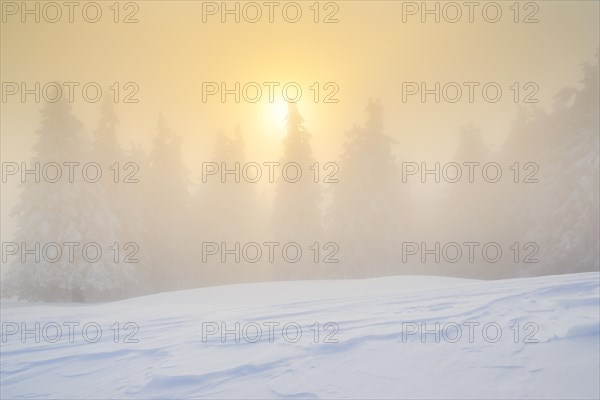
(368, 53)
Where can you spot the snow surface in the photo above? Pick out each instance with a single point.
(375, 356)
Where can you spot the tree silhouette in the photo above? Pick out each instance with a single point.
(369, 202)
(66, 212)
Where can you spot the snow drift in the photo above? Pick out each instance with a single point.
(394, 337)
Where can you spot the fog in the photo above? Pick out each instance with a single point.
(452, 149)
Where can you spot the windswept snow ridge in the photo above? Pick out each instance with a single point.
(395, 337)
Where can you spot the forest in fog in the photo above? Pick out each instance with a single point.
(354, 217)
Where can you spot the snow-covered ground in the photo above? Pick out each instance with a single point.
(375, 338)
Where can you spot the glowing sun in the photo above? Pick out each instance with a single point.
(276, 112)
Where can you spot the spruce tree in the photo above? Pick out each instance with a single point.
(66, 212)
(370, 204)
(296, 209)
(169, 220)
